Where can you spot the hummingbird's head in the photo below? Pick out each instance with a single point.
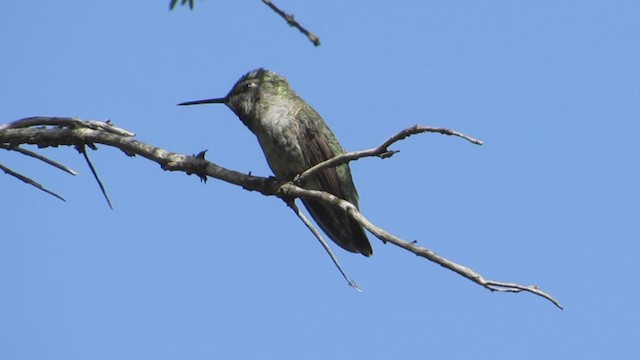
(251, 93)
(254, 90)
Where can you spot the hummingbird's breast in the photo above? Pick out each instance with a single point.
(278, 135)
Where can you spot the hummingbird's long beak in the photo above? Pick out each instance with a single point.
(206, 101)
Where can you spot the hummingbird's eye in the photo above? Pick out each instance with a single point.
(251, 85)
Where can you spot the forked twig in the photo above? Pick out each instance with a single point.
(382, 150)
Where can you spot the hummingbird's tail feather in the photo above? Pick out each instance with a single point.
(340, 228)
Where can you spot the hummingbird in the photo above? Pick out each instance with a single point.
(294, 137)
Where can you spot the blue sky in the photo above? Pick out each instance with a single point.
(185, 270)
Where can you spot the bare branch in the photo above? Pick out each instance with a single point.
(29, 181)
(70, 132)
(74, 132)
(293, 23)
(381, 151)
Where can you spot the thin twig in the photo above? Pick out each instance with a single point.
(40, 157)
(316, 233)
(29, 181)
(293, 23)
(69, 122)
(83, 150)
(381, 151)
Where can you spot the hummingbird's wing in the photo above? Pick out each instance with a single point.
(322, 145)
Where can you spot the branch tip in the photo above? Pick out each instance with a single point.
(29, 181)
(83, 151)
(290, 20)
(292, 205)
